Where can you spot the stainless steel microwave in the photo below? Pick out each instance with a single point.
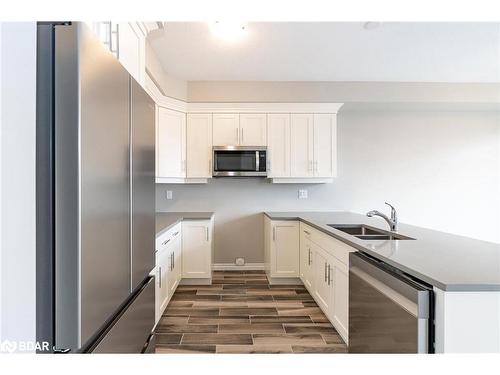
(239, 161)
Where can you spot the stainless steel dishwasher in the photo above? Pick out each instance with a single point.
(389, 311)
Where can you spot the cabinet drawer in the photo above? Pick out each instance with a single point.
(333, 246)
(166, 238)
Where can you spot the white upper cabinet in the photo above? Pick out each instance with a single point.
(253, 129)
(226, 129)
(199, 145)
(325, 145)
(278, 145)
(301, 137)
(131, 49)
(171, 144)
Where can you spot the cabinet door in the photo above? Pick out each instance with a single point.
(177, 266)
(162, 274)
(306, 259)
(301, 149)
(199, 145)
(253, 129)
(325, 145)
(171, 143)
(285, 252)
(131, 49)
(340, 306)
(278, 145)
(226, 129)
(196, 249)
(322, 278)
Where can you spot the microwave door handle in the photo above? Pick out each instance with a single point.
(257, 161)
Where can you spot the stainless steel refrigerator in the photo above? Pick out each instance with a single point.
(96, 196)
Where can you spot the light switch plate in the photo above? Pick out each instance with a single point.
(302, 194)
(169, 194)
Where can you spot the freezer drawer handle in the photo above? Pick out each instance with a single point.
(60, 351)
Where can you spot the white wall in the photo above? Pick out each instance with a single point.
(17, 170)
(440, 169)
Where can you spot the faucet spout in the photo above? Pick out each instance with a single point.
(392, 221)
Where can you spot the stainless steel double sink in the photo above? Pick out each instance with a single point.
(366, 232)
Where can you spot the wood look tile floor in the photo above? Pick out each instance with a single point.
(241, 313)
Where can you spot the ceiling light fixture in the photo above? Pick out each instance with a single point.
(229, 31)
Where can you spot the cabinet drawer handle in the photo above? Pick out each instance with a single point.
(242, 136)
(159, 277)
(166, 242)
(309, 257)
(237, 135)
(325, 272)
(274, 233)
(329, 274)
(206, 230)
(306, 232)
(175, 234)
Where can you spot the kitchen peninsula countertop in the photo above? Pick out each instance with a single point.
(446, 261)
(166, 220)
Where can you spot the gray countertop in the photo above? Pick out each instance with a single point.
(166, 220)
(446, 261)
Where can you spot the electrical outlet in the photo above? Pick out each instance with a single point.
(302, 194)
(169, 194)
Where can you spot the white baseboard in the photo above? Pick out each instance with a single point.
(234, 267)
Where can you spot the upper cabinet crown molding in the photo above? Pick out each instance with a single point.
(264, 107)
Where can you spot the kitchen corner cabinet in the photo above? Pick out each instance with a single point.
(171, 144)
(199, 145)
(197, 249)
(283, 249)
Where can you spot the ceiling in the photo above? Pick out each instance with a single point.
(333, 51)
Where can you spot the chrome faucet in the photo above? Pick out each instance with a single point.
(393, 221)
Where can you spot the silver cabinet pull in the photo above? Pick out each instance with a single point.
(329, 274)
(166, 242)
(309, 257)
(274, 233)
(159, 277)
(306, 232)
(175, 234)
(237, 135)
(325, 272)
(242, 136)
(171, 261)
(206, 230)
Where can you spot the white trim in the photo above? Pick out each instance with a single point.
(307, 180)
(281, 107)
(162, 100)
(234, 267)
(180, 180)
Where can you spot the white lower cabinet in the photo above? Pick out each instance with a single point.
(197, 249)
(162, 289)
(340, 307)
(323, 286)
(284, 249)
(325, 273)
(306, 266)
